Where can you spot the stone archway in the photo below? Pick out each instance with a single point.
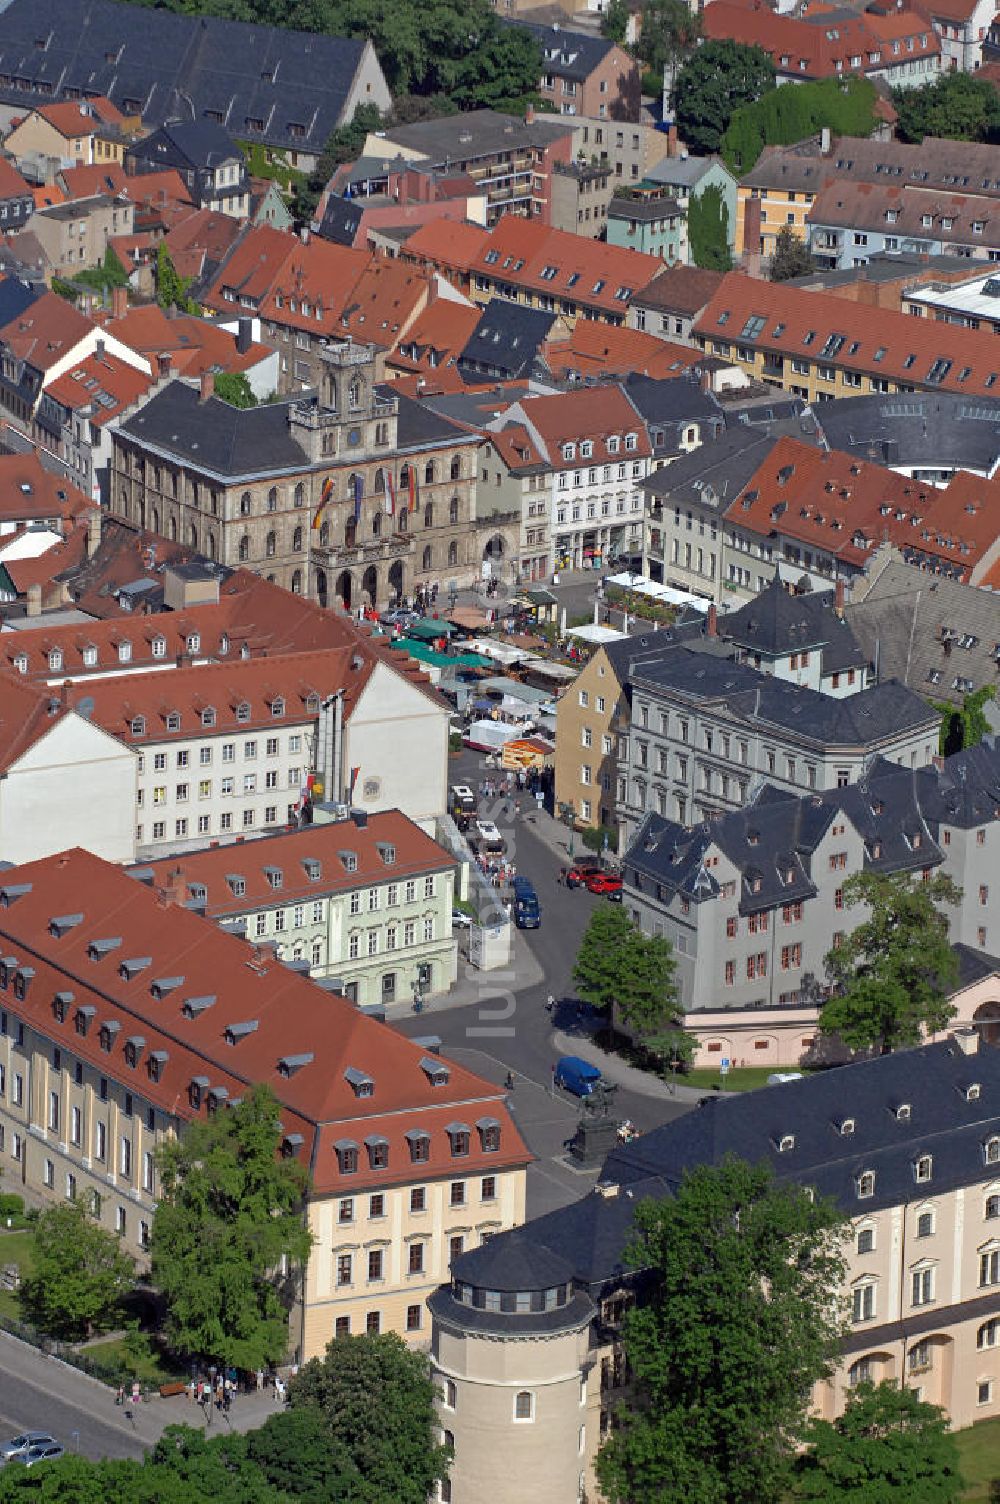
(321, 587)
(396, 580)
(345, 589)
(369, 584)
(987, 1020)
(494, 554)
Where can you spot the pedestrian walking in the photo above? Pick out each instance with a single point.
(260, 1380)
(510, 1081)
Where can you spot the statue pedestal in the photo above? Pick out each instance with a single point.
(594, 1140)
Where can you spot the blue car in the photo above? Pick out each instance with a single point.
(576, 1075)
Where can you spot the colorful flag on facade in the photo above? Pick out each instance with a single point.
(354, 778)
(325, 497)
(359, 491)
(412, 477)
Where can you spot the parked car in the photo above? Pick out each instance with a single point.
(460, 921)
(23, 1443)
(603, 882)
(527, 912)
(43, 1451)
(576, 1075)
(522, 885)
(581, 870)
(489, 836)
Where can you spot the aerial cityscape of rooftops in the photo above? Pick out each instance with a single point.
(500, 751)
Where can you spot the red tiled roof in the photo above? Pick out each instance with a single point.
(204, 231)
(96, 378)
(436, 337)
(89, 180)
(46, 331)
(153, 189)
(449, 244)
(385, 299)
(47, 196)
(680, 289)
(595, 415)
(877, 341)
(70, 118)
(304, 1043)
(30, 493)
(273, 270)
(598, 349)
(194, 345)
(521, 253)
(12, 184)
(866, 206)
(828, 499)
(819, 50)
(414, 853)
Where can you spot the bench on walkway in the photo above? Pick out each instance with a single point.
(167, 1391)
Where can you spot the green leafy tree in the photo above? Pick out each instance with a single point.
(888, 1447)
(669, 31)
(171, 288)
(845, 106)
(617, 967)
(614, 22)
(230, 1210)
(966, 726)
(297, 1454)
(893, 974)
(234, 388)
(717, 80)
(708, 229)
(399, 1459)
(791, 256)
(342, 145)
(737, 1327)
(78, 1276)
(956, 105)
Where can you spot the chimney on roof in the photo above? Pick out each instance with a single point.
(967, 1039)
(244, 335)
(64, 692)
(34, 602)
(825, 141)
(174, 890)
(164, 365)
(705, 381)
(838, 598)
(712, 621)
(99, 349)
(93, 532)
(119, 302)
(207, 386)
(529, 115)
(672, 147)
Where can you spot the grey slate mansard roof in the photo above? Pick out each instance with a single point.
(593, 1234)
(776, 622)
(566, 53)
(933, 430)
(181, 66)
(228, 441)
(506, 340)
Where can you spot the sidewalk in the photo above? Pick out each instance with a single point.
(613, 1068)
(474, 986)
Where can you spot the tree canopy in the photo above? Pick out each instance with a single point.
(230, 1210)
(736, 1326)
(888, 1447)
(893, 973)
(708, 229)
(966, 726)
(234, 388)
(619, 967)
(171, 287)
(782, 116)
(614, 22)
(398, 1457)
(79, 1274)
(957, 105)
(717, 80)
(669, 31)
(791, 256)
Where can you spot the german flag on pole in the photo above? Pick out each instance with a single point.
(325, 497)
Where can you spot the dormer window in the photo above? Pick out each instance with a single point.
(420, 1145)
(386, 852)
(159, 647)
(163, 986)
(846, 1127)
(137, 725)
(378, 1152)
(349, 860)
(346, 1151)
(903, 1112)
(569, 451)
(922, 1168)
(108, 1034)
(173, 720)
(786, 1143)
(313, 869)
(866, 1184)
(22, 981)
(237, 884)
(208, 716)
(21, 663)
(55, 660)
(155, 1064)
(193, 643)
(613, 444)
(275, 877)
(61, 924)
(82, 1019)
(312, 703)
(489, 1135)
(461, 1137)
(278, 706)
(134, 1047)
(125, 652)
(586, 449)
(243, 711)
(197, 1090)
(973, 1091)
(61, 1004)
(360, 1082)
(436, 1071)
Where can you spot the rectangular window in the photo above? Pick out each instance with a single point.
(344, 1263)
(415, 1262)
(375, 1258)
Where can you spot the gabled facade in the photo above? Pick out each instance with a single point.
(210, 164)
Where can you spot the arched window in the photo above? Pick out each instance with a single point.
(380, 482)
(354, 395)
(350, 533)
(270, 546)
(988, 1334)
(402, 523)
(297, 541)
(324, 535)
(193, 536)
(428, 557)
(377, 525)
(860, 1372)
(210, 545)
(456, 468)
(244, 549)
(245, 504)
(452, 553)
(428, 515)
(173, 529)
(453, 510)
(429, 473)
(300, 495)
(154, 520)
(297, 582)
(272, 499)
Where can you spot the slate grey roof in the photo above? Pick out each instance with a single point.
(228, 441)
(181, 67)
(505, 342)
(859, 720)
(931, 633)
(975, 965)
(643, 211)
(714, 474)
(15, 296)
(684, 172)
(916, 430)
(419, 424)
(523, 1266)
(184, 144)
(775, 622)
(341, 219)
(676, 401)
(593, 1233)
(566, 53)
(932, 1080)
(474, 133)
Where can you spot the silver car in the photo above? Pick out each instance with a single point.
(42, 1451)
(19, 1445)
